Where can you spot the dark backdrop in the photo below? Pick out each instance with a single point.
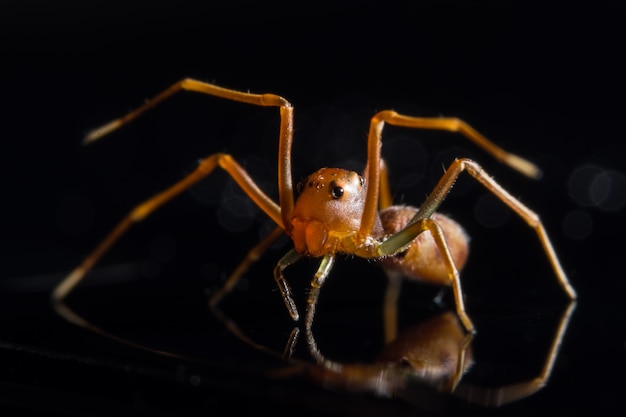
(543, 81)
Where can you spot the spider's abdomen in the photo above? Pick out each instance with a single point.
(422, 260)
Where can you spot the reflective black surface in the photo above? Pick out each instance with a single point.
(540, 82)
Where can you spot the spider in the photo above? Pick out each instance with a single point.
(339, 211)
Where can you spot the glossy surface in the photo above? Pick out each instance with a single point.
(547, 94)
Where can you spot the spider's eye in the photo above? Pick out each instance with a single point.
(361, 180)
(336, 191)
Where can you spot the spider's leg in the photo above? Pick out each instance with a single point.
(442, 188)
(390, 306)
(289, 259)
(285, 186)
(451, 124)
(144, 209)
(252, 256)
(375, 171)
(403, 238)
(394, 279)
(326, 265)
(385, 198)
(316, 285)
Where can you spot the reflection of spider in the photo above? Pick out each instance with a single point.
(434, 353)
(340, 211)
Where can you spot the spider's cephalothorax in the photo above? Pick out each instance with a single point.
(327, 213)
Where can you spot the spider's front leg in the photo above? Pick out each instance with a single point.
(326, 265)
(289, 259)
(316, 285)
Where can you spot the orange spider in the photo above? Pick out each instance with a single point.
(339, 211)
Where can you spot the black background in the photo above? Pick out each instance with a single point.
(544, 82)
